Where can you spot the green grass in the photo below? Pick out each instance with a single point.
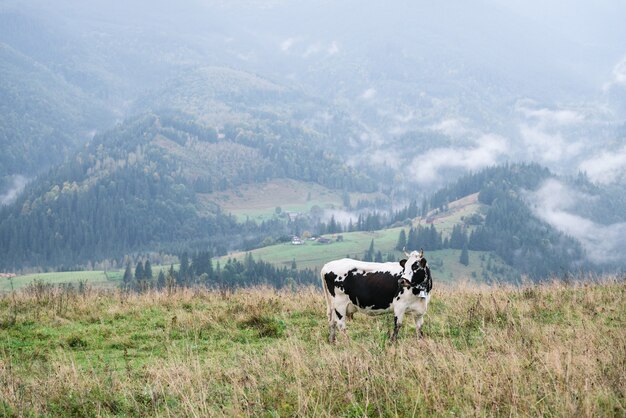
(552, 350)
(444, 264)
(258, 202)
(314, 255)
(93, 278)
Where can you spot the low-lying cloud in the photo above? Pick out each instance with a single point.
(554, 201)
(619, 75)
(606, 167)
(19, 182)
(287, 44)
(487, 150)
(452, 127)
(368, 94)
(333, 48)
(341, 216)
(548, 118)
(546, 147)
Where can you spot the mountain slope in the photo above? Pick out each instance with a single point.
(42, 117)
(541, 223)
(135, 188)
(498, 215)
(221, 97)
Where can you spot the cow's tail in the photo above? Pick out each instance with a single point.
(327, 295)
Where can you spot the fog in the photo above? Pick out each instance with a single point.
(15, 186)
(556, 203)
(492, 81)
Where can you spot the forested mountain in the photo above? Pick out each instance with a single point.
(223, 97)
(531, 232)
(42, 117)
(134, 188)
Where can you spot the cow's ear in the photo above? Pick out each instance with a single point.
(423, 262)
(402, 263)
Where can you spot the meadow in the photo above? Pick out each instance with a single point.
(553, 350)
(314, 255)
(258, 202)
(96, 278)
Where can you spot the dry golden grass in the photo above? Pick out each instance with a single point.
(555, 350)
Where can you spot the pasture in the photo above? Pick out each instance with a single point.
(98, 279)
(555, 349)
(259, 202)
(313, 254)
(444, 263)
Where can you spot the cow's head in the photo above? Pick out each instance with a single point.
(414, 267)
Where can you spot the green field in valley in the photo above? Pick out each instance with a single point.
(92, 278)
(312, 254)
(444, 264)
(483, 266)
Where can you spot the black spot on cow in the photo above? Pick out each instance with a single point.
(423, 262)
(429, 280)
(416, 290)
(375, 290)
(329, 278)
(402, 262)
(338, 314)
(418, 276)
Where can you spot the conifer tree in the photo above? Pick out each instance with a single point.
(139, 273)
(161, 280)
(369, 254)
(464, 258)
(183, 271)
(401, 240)
(128, 275)
(170, 280)
(147, 270)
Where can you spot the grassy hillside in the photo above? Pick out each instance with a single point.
(258, 202)
(552, 350)
(313, 254)
(483, 266)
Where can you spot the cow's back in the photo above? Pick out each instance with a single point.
(370, 286)
(343, 266)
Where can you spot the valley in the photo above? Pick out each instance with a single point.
(120, 140)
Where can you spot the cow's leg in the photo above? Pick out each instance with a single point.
(332, 327)
(341, 313)
(398, 316)
(338, 315)
(419, 321)
(350, 311)
(332, 322)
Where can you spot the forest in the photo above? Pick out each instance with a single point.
(197, 270)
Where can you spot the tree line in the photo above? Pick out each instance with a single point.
(200, 269)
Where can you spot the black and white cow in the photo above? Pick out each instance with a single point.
(352, 285)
